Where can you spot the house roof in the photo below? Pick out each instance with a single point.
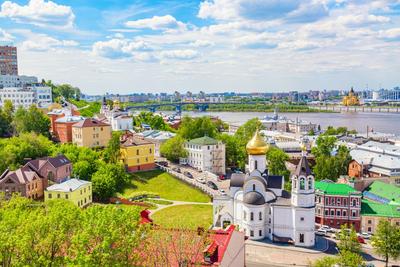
(89, 122)
(68, 186)
(335, 189)
(275, 181)
(69, 119)
(253, 198)
(22, 175)
(384, 190)
(57, 162)
(203, 141)
(369, 208)
(134, 141)
(237, 179)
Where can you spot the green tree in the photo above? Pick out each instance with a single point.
(112, 152)
(108, 179)
(232, 149)
(276, 162)
(386, 241)
(325, 262)
(173, 148)
(350, 259)
(348, 240)
(192, 128)
(6, 118)
(31, 120)
(155, 121)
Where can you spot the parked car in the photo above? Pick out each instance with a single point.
(365, 235)
(176, 169)
(321, 232)
(325, 227)
(201, 180)
(222, 191)
(212, 185)
(188, 174)
(163, 163)
(222, 177)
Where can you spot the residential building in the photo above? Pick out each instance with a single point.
(337, 204)
(119, 119)
(137, 154)
(374, 159)
(157, 138)
(17, 80)
(283, 124)
(23, 181)
(91, 133)
(63, 128)
(258, 204)
(206, 154)
(8, 60)
(26, 96)
(43, 95)
(373, 212)
(77, 191)
(56, 169)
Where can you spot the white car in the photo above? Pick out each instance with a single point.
(201, 180)
(365, 235)
(321, 232)
(326, 228)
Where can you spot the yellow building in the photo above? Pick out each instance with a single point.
(351, 99)
(137, 154)
(91, 133)
(77, 191)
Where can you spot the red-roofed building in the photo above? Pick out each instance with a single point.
(91, 133)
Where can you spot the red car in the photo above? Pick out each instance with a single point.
(361, 240)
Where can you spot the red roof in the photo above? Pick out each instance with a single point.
(89, 122)
(144, 217)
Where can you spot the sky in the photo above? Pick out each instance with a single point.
(120, 46)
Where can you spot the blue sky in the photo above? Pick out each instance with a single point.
(211, 45)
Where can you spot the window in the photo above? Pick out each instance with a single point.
(269, 220)
(302, 219)
(244, 215)
(50, 196)
(137, 152)
(344, 202)
(302, 183)
(58, 196)
(301, 238)
(310, 185)
(150, 150)
(269, 230)
(338, 213)
(256, 165)
(295, 183)
(66, 196)
(369, 221)
(259, 232)
(251, 216)
(338, 201)
(369, 230)
(254, 187)
(260, 216)
(354, 202)
(251, 233)
(354, 213)
(332, 212)
(344, 213)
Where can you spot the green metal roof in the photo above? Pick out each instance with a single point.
(334, 189)
(203, 141)
(369, 208)
(388, 191)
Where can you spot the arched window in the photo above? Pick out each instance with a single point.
(344, 213)
(310, 185)
(255, 165)
(251, 216)
(354, 202)
(302, 183)
(254, 187)
(260, 216)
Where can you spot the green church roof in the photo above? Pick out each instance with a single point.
(369, 208)
(203, 141)
(388, 191)
(334, 189)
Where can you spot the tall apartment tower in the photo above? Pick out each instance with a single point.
(8, 60)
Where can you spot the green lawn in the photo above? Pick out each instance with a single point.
(184, 216)
(164, 185)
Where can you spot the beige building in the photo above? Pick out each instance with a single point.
(91, 133)
(372, 213)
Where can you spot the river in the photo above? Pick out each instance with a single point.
(379, 122)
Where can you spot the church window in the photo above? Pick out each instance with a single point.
(254, 187)
(251, 233)
(244, 215)
(260, 232)
(260, 216)
(295, 183)
(269, 230)
(269, 220)
(301, 238)
(302, 183)
(251, 216)
(255, 165)
(310, 183)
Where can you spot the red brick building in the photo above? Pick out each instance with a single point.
(337, 204)
(61, 124)
(8, 60)
(56, 169)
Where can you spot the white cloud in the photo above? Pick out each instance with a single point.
(202, 43)
(5, 36)
(166, 22)
(256, 41)
(39, 13)
(361, 20)
(119, 48)
(390, 34)
(184, 54)
(43, 42)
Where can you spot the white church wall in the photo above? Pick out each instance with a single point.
(282, 221)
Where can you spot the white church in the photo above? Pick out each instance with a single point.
(258, 204)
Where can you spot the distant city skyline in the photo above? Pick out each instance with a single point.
(213, 45)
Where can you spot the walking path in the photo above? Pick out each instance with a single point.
(175, 203)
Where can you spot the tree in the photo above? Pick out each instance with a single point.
(6, 118)
(108, 179)
(325, 262)
(232, 149)
(112, 152)
(31, 120)
(64, 90)
(348, 240)
(350, 259)
(173, 148)
(386, 241)
(276, 162)
(192, 128)
(155, 121)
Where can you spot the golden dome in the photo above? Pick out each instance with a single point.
(257, 145)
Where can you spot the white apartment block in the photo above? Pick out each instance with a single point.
(206, 154)
(26, 96)
(16, 80)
